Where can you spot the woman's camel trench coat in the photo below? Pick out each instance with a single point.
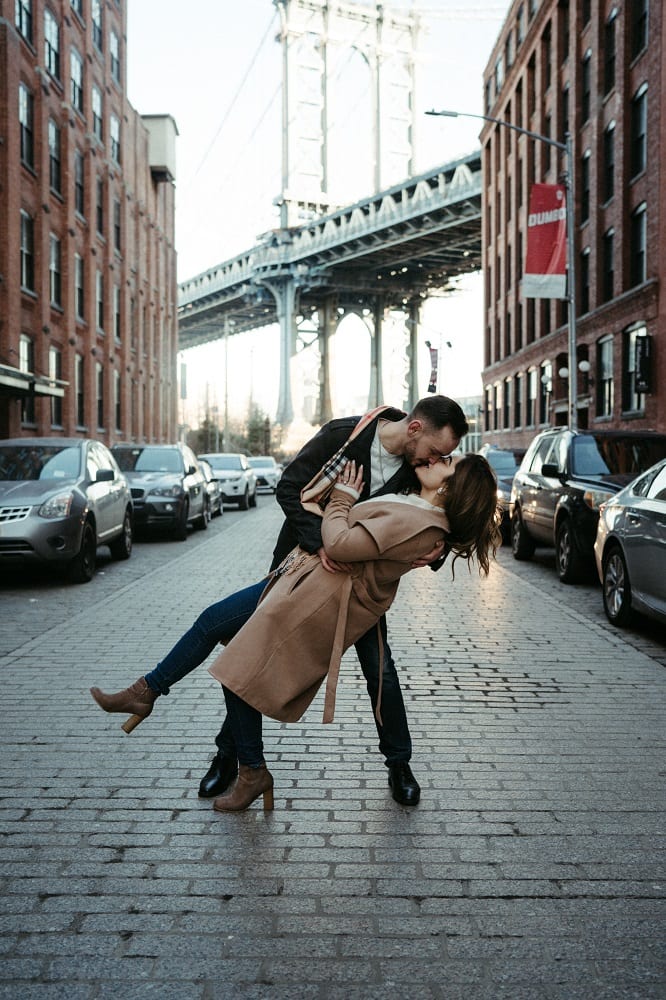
(308, 617)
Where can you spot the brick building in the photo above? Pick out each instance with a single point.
(88, 323)
(594, 68)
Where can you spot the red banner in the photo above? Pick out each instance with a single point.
(545, 274)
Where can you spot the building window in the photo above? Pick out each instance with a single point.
(564, 113)
(605, 377)
(585, 186)
(116, 312)
(499, 75)
(77, 7)
(55, 271)
(116, 225)
(632, 401)
(586, 86)
(27, 365)
(27, 252)
(79, 384)
(585, 280)
(51, 44)
(114, 55)
(587, 11)
(97, 27)
(23, 18)
(508, 51)
(564, 29)
(99, 381)
(545, 391)
(117, 394)
(531, 414)
(99, 299)
(79, 286)
(546, 57)
(609, 162)
(638, 246)
(26, 122)
(608, 265)
(114, 133)
(97, 112)
(609, 51)
(546, 148)
(520, 26)
(79, 188)
(638, 12)
(517, 402)
(55, 373)
(507, 403)
(55, 179)
(638, 128)
(76, 80)
(100, 206)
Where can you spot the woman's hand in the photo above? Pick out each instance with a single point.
(351, 477)
(435, 553)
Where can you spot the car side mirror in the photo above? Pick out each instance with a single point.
(105, 476)
(550, 471)
(191, 469)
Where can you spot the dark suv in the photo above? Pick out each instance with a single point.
(168, 487)
(562, 480)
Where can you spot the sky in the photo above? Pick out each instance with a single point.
(215, 66)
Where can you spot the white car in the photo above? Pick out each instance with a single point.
(267, 472)
(236, 478)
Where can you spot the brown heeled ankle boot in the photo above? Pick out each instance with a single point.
(248, 786)
(137, 699)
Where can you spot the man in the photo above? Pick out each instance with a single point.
(388, 447)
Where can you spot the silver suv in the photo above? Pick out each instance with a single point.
(237, 480)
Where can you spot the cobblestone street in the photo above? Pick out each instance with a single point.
(532, 868)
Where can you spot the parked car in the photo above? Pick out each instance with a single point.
(267, 472)
(237, 479)
(630, 549)
(168, 486)
(563, 479)
(213, 489)
(59, 499)
(504, 463)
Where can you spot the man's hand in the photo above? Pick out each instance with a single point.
(330, 565)
(435, 553)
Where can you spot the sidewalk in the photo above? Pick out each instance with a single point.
(531, 869)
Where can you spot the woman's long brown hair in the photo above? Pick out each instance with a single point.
(473, 513)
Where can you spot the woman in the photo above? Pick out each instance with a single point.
(307, 617)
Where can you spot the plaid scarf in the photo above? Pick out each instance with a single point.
(314, 496)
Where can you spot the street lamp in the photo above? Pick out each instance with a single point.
(567, 148)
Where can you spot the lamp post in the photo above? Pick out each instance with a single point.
(567, 148)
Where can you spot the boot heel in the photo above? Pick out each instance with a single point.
(132, 723)
(268, 800)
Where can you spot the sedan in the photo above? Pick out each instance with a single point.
(267, 472)
(630, 549)
(59, 499)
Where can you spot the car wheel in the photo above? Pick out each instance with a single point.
(82, 567)
(570, 565)
(244, 502)
(201, 522)
(121, 547)
(522, 545)
(253, 499)
(616, 587)
(180, 531)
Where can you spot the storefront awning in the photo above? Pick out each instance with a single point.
(14, 382)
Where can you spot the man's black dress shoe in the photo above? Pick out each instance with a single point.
(404, 786)
(221, 773)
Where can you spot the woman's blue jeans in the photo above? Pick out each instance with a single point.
(240, 735)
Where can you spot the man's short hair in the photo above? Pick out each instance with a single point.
(440, 411)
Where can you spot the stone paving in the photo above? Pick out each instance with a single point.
(531, 869)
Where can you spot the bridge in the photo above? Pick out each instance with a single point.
(388, 251)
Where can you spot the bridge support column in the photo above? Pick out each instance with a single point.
(413, 319)
(328, 321)
(285, 294)
(376, 394)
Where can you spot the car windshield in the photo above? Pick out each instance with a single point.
(259, 463)
(226, 462)
(596, 455)
(30, 462)
(502, 462)
(148, 459)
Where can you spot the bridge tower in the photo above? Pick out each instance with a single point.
(313, 34)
